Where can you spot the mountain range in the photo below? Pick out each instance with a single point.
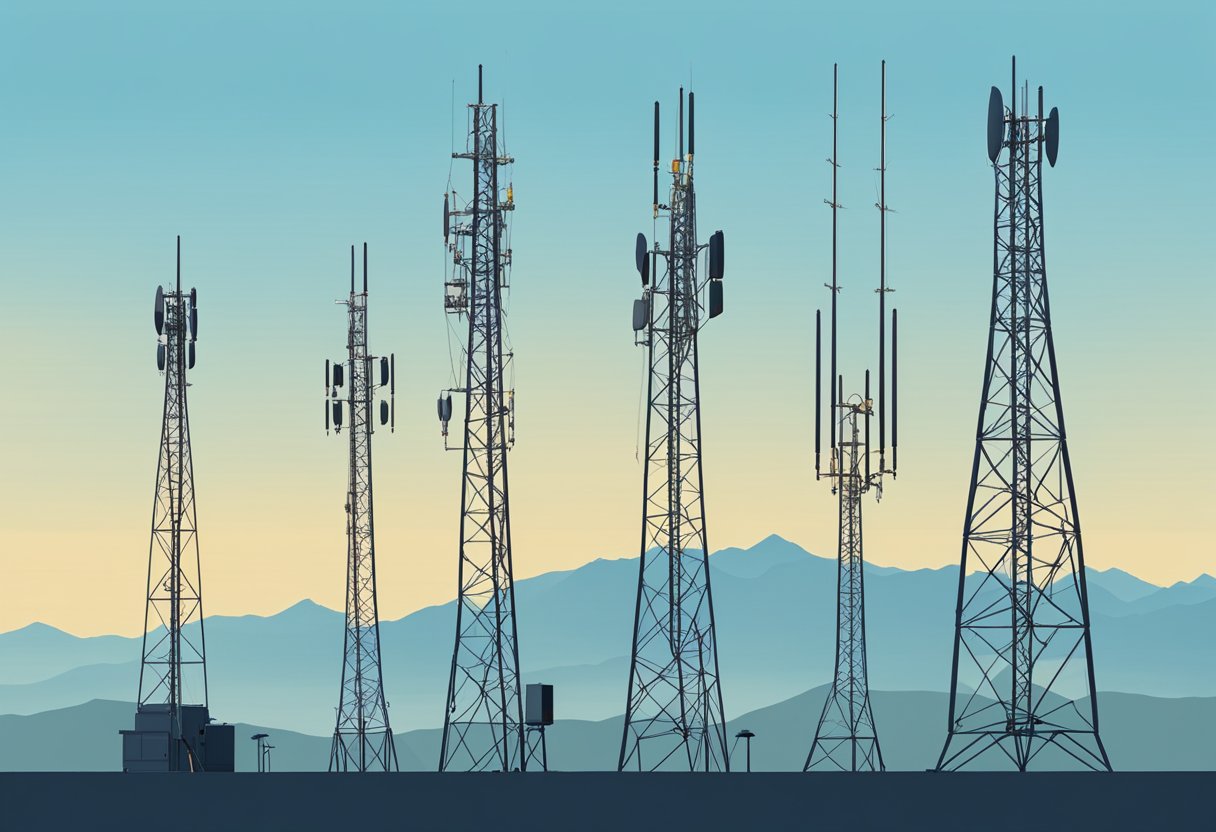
(774, 608)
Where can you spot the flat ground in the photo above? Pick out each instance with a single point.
(608, 800)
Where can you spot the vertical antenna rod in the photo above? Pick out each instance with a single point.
(835, 285)
(655, 200)
(882, 281)
(818, 390)
(681, 153)
(869, 412)
(894, 391)
(692, 126)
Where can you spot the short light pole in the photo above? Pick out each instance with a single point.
(746, 736)
(263, 751)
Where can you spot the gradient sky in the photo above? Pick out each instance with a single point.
(271, 136)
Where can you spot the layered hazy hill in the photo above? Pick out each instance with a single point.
(1140, 732)
(775, 610)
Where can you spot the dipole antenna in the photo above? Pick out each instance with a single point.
(1022, 690)
(363, 739)
(673, 714)
(882, 297)
(483, 727)
(846, 737)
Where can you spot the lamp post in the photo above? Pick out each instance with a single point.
(263, 750)
(746, 736)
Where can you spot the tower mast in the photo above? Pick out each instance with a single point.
(846, 737)
(363, 739)
(173, 728)
(674, 717)
(1022, 679)
(483, 727)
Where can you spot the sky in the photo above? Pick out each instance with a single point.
(272, 136)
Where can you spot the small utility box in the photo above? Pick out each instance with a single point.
(538, 708)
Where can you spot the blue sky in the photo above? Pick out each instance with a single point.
(273, 135)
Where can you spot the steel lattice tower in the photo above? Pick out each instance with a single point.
(846, 737)
(173, 672)
(1023, 660)
(363, 739)
(483, 726)
(674, 706)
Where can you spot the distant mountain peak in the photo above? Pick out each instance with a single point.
(753, 561)
(1123, 585)
(775, 538)
(307, 604)
(40, 629)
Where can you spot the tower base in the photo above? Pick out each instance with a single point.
(196, 744)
